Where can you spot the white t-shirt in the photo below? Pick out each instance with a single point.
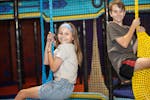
(68, 69)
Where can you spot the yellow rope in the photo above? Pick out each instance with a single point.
(136, 8)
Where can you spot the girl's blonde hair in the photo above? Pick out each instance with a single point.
(75, 42)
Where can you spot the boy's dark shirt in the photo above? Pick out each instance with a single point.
(115, 51)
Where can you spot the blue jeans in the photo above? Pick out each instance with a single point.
(56, 90)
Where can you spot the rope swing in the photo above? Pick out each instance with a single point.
(44, 76)
(140, 80)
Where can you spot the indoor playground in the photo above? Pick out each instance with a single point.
(24, 25)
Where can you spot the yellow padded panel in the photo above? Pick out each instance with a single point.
(143, 45)
(141, 84)
(141, 79)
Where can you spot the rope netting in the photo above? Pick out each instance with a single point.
(140, 80)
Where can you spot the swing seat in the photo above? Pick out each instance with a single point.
(141, 84)
(122, 90)
(140, 80)
(118, 89)
(87, 96)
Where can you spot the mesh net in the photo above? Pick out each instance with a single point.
(96, 83)
(140, 80)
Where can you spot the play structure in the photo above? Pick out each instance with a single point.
(98, 84)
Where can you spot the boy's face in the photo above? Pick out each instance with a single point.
(117, 14)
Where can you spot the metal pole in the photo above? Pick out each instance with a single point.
(18, 44)
(5, 0)
(36, 54)
(108, 66)
(85, 60)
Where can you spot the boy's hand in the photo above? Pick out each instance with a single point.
(140, 29)
(136, 22)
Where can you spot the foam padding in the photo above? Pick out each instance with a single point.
(143, 45)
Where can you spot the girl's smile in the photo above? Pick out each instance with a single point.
(65, 35)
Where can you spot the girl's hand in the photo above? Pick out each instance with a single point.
(50, 37)
(50, 40)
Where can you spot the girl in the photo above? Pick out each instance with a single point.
(122, 44)
(64, 65)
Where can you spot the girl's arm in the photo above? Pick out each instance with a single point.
(54, 62)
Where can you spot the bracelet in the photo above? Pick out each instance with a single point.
(49, 53)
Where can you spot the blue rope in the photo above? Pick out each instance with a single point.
(50, 77)
(51, 15)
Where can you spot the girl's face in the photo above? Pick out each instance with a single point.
(65, 35)
(117, 14)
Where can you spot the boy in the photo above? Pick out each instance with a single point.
(122, 43)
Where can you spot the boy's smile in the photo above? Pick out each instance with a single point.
(117, 14)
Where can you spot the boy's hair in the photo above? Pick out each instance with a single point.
(119, 3)
(75, 42)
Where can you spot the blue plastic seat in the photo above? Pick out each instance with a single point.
(115, 86)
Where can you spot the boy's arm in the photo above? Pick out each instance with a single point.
(125, 40)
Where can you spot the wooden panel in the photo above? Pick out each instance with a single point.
(28, 46)
(5, 61)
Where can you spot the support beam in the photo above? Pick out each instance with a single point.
(109, 69)
(18, 44)
(85, 59)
